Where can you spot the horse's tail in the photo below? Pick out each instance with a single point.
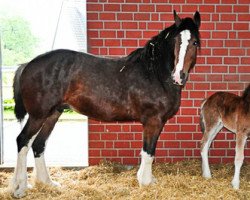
(246, 94)
(202, 125)
(19, 109)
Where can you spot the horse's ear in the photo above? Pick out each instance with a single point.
(197, 19)
(177, 19)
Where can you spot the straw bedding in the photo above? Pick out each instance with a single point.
(114, 181)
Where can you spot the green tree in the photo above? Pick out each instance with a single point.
(18, 42)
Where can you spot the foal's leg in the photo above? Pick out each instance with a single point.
(39, 146)
(24, 141)
(210, 133)
(239, 158)
(152, 130)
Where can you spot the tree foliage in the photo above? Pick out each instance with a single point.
(18, 42)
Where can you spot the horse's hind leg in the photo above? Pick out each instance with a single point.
(239, 158)
(210, 129)
(24, 142)
(39, 146)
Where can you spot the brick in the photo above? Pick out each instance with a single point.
(133, 34)
(112, 25)
(189, 8)
(96, 128)
(220, 52)
(112, 7)
(188, 145)
(109, 145)
(141, 16)
(215, 43)
(113, 128)
(108, 136)
(107, 16)
(237, 52)
(163, 8)
(228, 1)
(129, 43)
(129, 8)
(244, 17)
(124, 16)
(129, 25)
(108, 34)
(217, 152)
(109, 153)
(232, 43)
(214, 60)
(96, 144)
(92, 16)
(126, 153)
(176, 152)
(241, 8)
(146, 8)
(94, 7)
(224, 8)
(211, 1)
(231, 77)
(231, 60)
(194, 1)
(155, 26)
(245, 60)
(95, 25)
(228, 17)
(243, 34)
(224, 26)
(122, 144)
(218, 86)
(94, 153)
(96, 42)
(241, 26)
(206, 8)
(116, 51)
(94, 136)
(111, 43)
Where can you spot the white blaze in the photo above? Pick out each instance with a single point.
(185, 37)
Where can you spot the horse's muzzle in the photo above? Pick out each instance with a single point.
(180, 79)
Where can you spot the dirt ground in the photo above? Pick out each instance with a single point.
(108, 180)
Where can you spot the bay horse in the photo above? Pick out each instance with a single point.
(145, 87)
(231, 111)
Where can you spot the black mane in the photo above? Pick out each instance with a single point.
(246, 94)
(157, 55)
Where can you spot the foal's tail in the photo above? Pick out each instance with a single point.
(19, 109)
(202, 125)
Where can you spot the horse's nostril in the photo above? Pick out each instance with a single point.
(182, 75)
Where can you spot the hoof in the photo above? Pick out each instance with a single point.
(29, 186)
(147, 181)
(55, 184)
(235, 184)
(207, 175)
(19, 194)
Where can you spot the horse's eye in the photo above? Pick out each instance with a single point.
(195, 43)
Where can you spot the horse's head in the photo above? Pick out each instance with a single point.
(186, 42)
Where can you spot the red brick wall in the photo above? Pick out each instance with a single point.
(116, 27)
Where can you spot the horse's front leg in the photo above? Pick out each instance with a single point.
(152, 130)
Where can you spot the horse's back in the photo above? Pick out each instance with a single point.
(226, 107)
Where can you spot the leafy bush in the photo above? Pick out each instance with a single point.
(8, 104)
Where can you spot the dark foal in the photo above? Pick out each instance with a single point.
(232, 112)
(145, 86)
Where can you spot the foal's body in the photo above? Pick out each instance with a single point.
(232, 112)
(145, 86)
